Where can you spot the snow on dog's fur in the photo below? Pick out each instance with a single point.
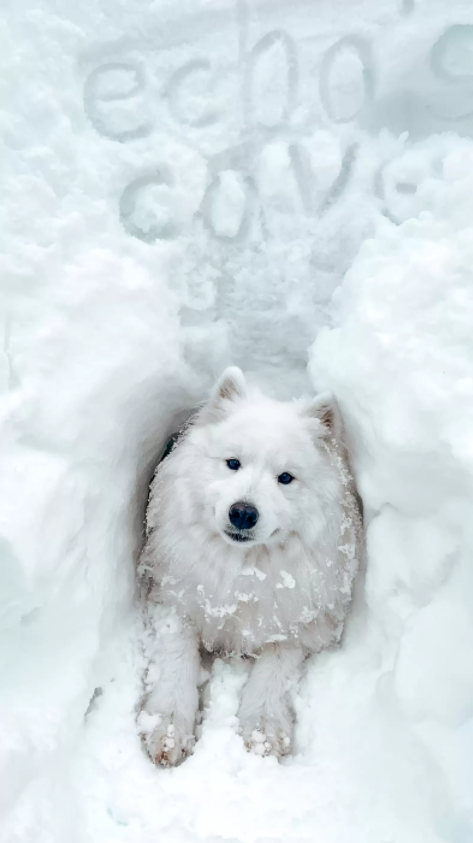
(253, 541)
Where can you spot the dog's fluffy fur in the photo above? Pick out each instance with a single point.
(276, 597)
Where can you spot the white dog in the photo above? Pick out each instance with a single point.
(253, 541)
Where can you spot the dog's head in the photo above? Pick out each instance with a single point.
(258, 469)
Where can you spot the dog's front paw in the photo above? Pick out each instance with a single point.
(267, 736)
(167, 740)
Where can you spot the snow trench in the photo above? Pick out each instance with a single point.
(285, 187)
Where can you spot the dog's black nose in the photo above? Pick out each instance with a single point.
(243, 516)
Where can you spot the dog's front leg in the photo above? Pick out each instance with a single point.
(167, 720)
(266, 713)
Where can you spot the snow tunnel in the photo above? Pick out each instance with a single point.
(284, 186)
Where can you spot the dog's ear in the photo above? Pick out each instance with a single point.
(231, 386)
(229, 389)
(324, 410)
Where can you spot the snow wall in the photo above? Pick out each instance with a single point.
(187, 185)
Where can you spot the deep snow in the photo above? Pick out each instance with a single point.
(186, 185)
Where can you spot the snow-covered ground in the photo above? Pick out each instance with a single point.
(187, 184)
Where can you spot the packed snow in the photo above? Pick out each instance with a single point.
(285, 186)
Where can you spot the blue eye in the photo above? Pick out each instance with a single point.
(234, 464)
(285, 478)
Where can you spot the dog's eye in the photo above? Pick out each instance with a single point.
(285, 478)
(234, 464)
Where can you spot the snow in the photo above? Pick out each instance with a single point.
(186, 186)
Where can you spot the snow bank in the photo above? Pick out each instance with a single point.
(400, 362)
(185, 186)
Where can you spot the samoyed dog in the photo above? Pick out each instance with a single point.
(253, 541)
